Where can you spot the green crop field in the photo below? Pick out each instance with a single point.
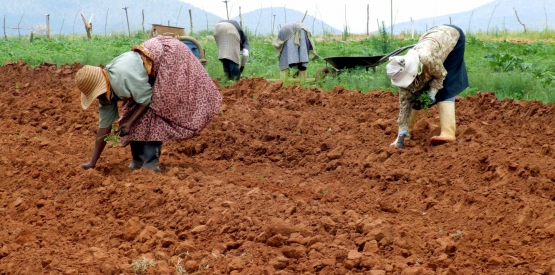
(523, 70)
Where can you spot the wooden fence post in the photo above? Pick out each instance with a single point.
(240, 18)
(75, 19)
(487, 30)
(191, 21)
(48, 25)
(63, 21)
(19, 27)
(519, 20)
(367, 19)
(411, 28)
(106, 23)
(470, 20)
(259, 17)
(178, 14)
(88, 26)
(127, 17)
(5, 36)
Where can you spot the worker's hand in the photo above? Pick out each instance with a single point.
(88, 165)
(124, 128)
(241, 69)
(433, 93)
(432, 97)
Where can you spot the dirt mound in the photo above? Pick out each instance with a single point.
(284, 180)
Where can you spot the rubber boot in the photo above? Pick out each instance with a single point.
(152, 151)
(447, 121)
(302, 76)
(137, 151)
(284, 74)
(413, 119)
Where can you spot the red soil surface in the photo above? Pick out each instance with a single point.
(285, 180)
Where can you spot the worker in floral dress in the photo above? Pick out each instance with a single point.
(166, 95)
(434, 66)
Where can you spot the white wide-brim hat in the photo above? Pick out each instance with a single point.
(403, 69)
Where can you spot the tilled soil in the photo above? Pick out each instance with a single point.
(284, 180)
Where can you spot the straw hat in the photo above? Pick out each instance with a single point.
(403, 69)
(91, 82)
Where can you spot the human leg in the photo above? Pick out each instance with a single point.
(137, 151)
(413, 119)
(447, 121)
(152, 150)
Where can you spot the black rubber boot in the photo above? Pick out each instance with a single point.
(137, 151)
(152, 150)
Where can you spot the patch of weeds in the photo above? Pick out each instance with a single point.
(506, 63)
(325, 191)
(297, 132)
(458, 235)
(181, 270)
(253, 96)
(545, 77)
(261, 177)
(232, 168)
(178, 267)
(140, 266)
(113, 137)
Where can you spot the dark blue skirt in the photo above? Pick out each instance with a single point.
(457, 79)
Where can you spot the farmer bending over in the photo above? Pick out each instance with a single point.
(295, 47)
(166, 95)
(233, 45)
(434, 66)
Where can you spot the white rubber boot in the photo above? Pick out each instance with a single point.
(302, 76)
(447, 121)
(284, 74)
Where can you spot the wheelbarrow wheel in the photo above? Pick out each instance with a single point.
(322, 73)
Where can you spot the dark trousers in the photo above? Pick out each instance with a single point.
(298, 66)
(146, 154)
(231, 69)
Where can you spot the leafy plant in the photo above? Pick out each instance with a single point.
(546, 77)
(425, 101)
(113, 138)
(384, 38)
(506, 62)
(140, 266)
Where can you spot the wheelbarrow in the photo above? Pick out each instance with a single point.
(341, 63)
(179, 33)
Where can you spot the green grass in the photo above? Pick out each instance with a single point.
(512, 70)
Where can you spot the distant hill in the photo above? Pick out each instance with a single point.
(531, 12)
(109, 16)
(261, 20)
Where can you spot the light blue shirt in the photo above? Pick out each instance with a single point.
(128, 79)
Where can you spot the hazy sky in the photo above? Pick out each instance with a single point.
(333, 12)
